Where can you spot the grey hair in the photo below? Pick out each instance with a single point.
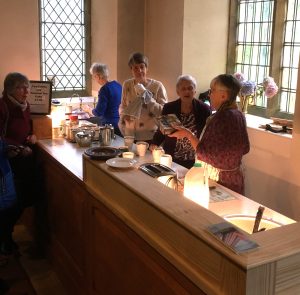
(138, 58)
(12, 80)
(100, 69)
(188, 78)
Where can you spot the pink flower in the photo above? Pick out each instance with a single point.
(239, 76)
(271, 90)
(267, 81)
(270, 87)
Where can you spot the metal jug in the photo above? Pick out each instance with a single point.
(106, 135)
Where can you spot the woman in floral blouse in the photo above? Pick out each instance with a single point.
(224, 139)
(192, 113)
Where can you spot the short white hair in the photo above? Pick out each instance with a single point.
(100, 69)
(188, 78)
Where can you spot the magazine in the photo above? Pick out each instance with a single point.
(166, 123)
(232, 237)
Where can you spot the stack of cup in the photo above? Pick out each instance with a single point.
(141, 148)
(156, 153)
(128, 141)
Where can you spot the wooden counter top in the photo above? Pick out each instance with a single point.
(176, 226)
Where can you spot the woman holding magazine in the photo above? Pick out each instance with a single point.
(192, 113)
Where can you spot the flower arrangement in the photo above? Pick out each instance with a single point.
(251, 90)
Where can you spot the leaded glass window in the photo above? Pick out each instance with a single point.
(265, 41)
(63, 44)
(254, 38)
(290, 57)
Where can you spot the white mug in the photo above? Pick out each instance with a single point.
(166, 160)
(141, 148)
(156, 153)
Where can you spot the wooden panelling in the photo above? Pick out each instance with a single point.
(66, 202)
(208, 269)
(121, 260)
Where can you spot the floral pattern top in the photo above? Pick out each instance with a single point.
(183, 149)
(223, 145)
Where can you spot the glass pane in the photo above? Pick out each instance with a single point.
(63, 42)
(290, 57)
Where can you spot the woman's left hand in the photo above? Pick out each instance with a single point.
(31, 139)
(26, 151)
(181, 132)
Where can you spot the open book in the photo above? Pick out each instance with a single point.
(232, 237)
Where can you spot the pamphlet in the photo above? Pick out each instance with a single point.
(232, 237)
(166, 123)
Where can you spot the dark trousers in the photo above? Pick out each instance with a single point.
(8, 218)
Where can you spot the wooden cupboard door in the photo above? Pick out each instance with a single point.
(66, 211)
(123, 263)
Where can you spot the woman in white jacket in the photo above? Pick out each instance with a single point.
(142, 100)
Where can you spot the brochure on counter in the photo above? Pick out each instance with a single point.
(232, 237)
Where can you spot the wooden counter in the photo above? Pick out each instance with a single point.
(163, 232)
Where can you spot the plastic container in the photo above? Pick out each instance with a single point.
(196, 185)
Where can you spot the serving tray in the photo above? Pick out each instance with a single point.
(156, 170)
(102, 153)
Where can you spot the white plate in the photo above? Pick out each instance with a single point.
(121, 162)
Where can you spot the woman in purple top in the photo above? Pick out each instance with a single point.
(224, 139)
(109, 97)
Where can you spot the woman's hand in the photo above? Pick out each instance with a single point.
(31, 139)
(87, 109)
(184, 132)
(181, 132)
(139, 89)
(12, 151)
(152, 147)
(21, 150)
(26, 151)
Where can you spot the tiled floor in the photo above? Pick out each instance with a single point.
(29, 273)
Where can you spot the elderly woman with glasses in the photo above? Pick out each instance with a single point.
(192, 113)
(142, 100)
(224, 139)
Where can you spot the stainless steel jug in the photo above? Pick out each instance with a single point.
(106, 135)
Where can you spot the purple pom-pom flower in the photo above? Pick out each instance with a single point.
(248, 88)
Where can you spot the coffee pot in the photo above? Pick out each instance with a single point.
(106, 135)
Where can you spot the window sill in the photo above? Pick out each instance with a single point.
(253, 122)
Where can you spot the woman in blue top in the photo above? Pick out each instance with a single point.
(109, 97)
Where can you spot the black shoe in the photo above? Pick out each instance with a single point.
(4, 287)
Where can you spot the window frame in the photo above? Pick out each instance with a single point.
(88, 80)
(273, 105)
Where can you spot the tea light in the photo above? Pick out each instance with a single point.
(128, 155)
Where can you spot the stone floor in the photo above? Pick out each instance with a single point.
(29, 273)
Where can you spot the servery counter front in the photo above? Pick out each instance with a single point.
(120, 231)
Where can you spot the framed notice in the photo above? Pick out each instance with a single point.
(40, 97)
